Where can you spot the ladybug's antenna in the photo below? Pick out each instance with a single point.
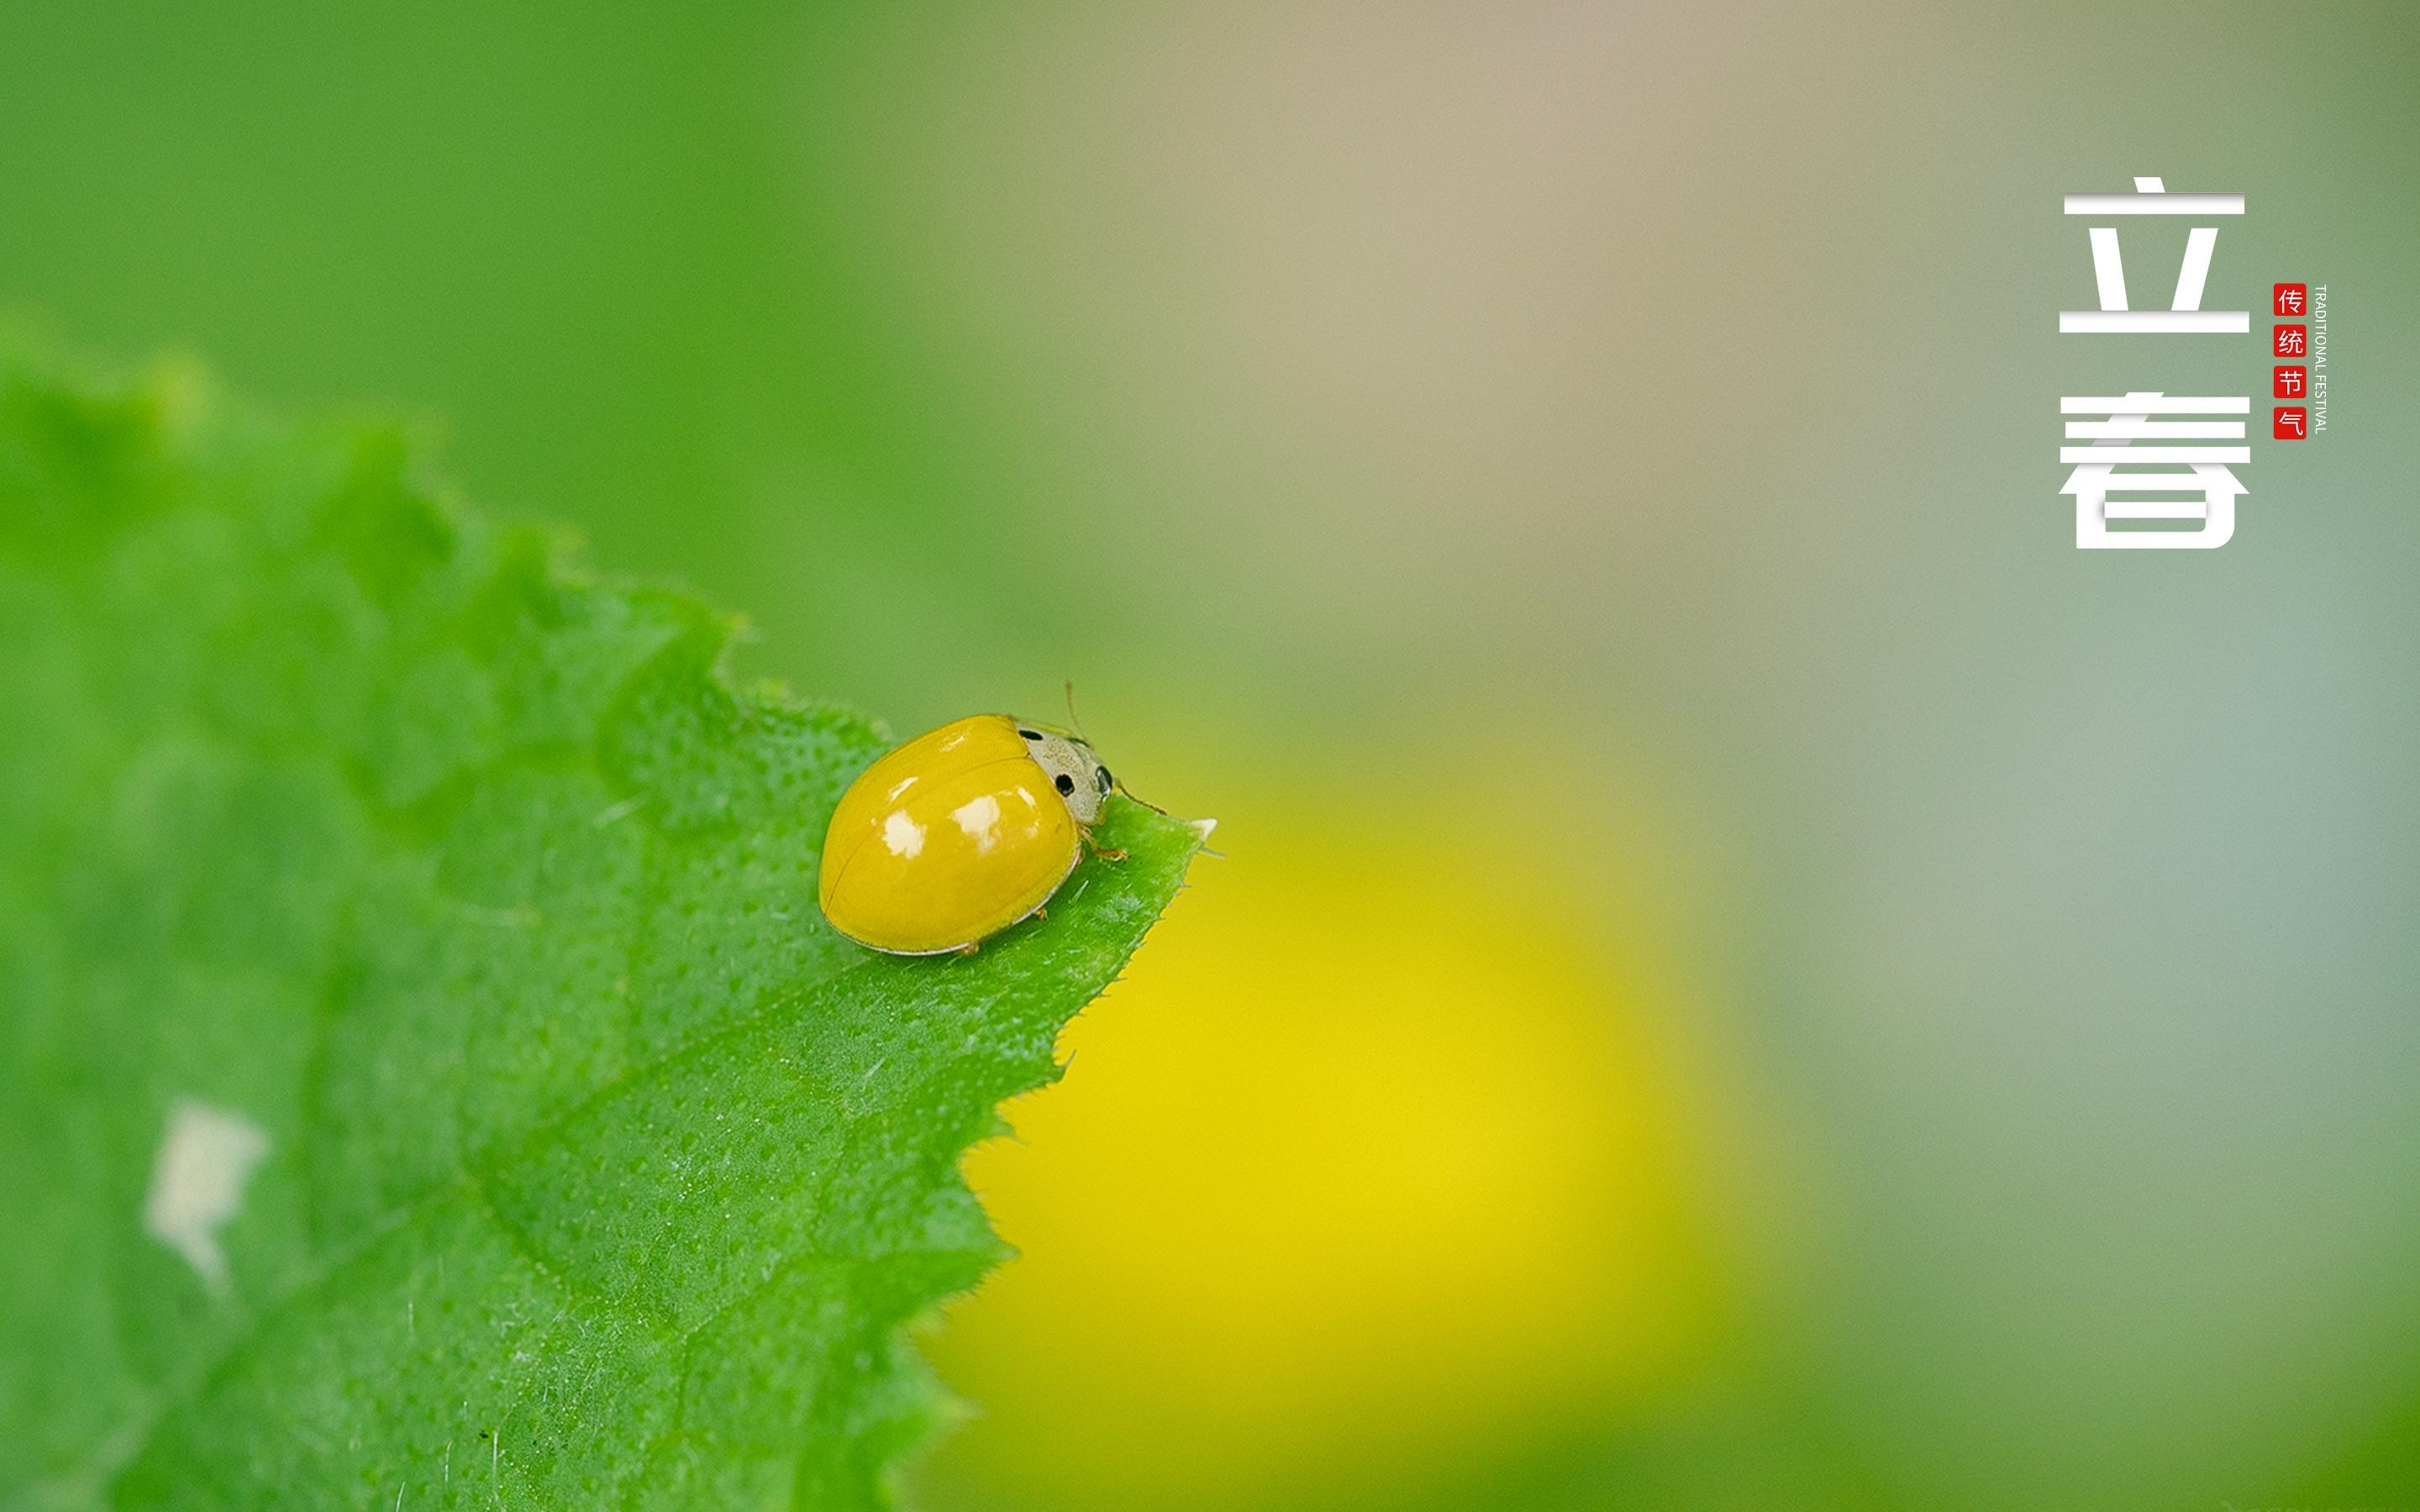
(1071, 715)
(1130, 793)
(1115, 785)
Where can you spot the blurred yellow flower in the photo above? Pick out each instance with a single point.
(1377, 1162)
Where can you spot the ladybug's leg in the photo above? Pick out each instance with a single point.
(1099, 849)
(969, 947)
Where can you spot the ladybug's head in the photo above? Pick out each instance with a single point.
(1073, 767)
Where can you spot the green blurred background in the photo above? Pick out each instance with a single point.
(1748, 972)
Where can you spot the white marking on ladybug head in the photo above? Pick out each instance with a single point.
(197, 1182)
(1074, 769)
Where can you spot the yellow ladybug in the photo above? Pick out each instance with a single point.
(960, 833)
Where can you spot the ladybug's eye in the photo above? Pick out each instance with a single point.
(1066, 784)
(1031, 734)
(1101, 774)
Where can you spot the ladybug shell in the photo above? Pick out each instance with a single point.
(953, 837)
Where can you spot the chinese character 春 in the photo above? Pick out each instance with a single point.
(2290, 423)
(2289, 341)
(2286, 383)
(2114, 479)
(2289, 298)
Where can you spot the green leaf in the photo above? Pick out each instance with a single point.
(425, 1077)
